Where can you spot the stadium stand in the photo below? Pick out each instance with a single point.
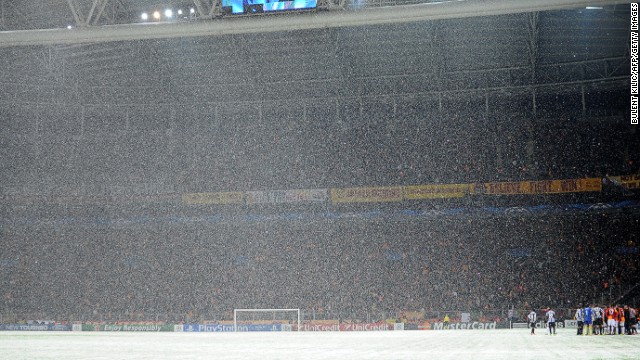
(122, 164)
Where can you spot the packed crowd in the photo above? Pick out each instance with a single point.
(284, 153)
(332, 266)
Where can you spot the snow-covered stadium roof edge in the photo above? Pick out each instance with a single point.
(302, 21)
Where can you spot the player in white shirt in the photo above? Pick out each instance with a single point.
(532, 317)
(580, 319)
(633, 313)
(598, 315)
(551, 321)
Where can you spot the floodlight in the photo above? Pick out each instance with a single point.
(168, 13)
(192, 11)
(144, 16)
(179, 11)
(156, 15)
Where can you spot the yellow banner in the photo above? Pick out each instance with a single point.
(435, 191)
(627, 181)
(286, 196)
(413, 315)
(565, 186)
(503, 188)
(367, 194)
(219, 198)
(541, 187)
(590, 185)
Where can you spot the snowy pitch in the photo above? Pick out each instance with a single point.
(497, 344)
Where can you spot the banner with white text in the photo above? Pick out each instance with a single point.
(286, 196)
(366, 194)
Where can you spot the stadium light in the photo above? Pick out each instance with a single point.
(144, 16)
(156, 15)
(179, 11)
(192, 11)
(168, 13)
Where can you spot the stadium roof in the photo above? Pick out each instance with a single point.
(34, 23)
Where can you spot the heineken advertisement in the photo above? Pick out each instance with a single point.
(127, 327)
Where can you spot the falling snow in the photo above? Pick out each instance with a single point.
(391, 173)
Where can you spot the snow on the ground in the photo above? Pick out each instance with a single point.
(440, 345)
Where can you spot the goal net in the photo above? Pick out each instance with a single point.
(266, 319)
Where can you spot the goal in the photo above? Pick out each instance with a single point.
(266, 319)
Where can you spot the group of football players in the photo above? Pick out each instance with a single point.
(611, 320)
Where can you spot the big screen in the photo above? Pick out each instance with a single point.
(248, 6)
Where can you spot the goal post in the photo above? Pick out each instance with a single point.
(283, 317)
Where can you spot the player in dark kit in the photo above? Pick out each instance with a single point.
(627, 320)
